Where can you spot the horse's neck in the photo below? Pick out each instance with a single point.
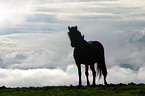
(82, 44)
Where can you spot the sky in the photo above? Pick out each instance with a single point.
(35, 49)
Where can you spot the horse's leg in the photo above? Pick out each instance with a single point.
(87, 73)
(105, 82)
(94, 73)
(79, 73)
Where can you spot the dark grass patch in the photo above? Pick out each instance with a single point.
(130, 89)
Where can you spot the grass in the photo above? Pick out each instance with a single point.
(130, 89)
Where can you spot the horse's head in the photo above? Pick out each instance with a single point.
(75, 36)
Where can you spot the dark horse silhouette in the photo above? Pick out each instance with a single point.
(87, 53)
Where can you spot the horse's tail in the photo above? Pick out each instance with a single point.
(101, 68)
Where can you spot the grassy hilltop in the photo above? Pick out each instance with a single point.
(130, 89)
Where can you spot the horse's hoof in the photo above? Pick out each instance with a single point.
(88, 84)
(93, 85)
(79, 86)
(106, 83)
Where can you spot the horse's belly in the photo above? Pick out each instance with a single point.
(85, 57)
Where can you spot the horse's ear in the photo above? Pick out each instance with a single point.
(76, 27)
(69, 28)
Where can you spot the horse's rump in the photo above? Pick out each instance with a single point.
(101, 66)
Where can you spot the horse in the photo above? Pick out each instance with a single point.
(87, 53)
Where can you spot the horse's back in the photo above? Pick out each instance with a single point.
(97, 44)
(89, 53)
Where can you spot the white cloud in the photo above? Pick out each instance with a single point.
(37, 77)
(36, 51)
(14, 12)
(123, 75)
(134, 3)
(28, 59)
(97, 10)
(57, 77)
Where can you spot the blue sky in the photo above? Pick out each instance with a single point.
(35, 49)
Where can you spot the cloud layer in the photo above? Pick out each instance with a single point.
(57, 77)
